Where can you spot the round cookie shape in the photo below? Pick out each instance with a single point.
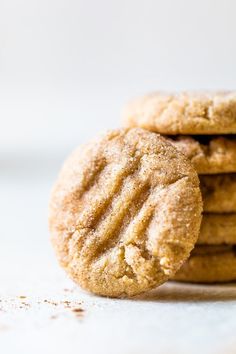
(218, 229)
(219, 193)
(183, 113)
(208, 154)
(125, 213)
(209, 267)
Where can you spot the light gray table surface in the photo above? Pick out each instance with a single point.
(42, 311)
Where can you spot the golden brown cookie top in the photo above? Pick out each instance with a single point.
(125, 212)
(184, 113)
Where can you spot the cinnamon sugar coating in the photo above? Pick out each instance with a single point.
(125, 213)
(183, 113)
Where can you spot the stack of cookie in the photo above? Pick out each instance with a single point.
(201, 125)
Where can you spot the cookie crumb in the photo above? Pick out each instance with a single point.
(26, 304)
(78, 311)
(67, 304)
(50, 302)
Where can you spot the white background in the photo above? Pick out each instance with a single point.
(68, 66)
(66, 69)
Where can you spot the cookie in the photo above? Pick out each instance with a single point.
(209, 154)
(184, 113)
(209, 267)
(125, 213)
(217, 229)
(219, 193)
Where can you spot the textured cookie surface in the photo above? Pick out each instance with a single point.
(219, 193)
(184, 113)
(125, 213)
(209, 154)
(209, 266)
(217, 229)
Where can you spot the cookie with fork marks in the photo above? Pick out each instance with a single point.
(125, 213)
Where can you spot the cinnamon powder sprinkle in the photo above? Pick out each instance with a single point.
(78, 311)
